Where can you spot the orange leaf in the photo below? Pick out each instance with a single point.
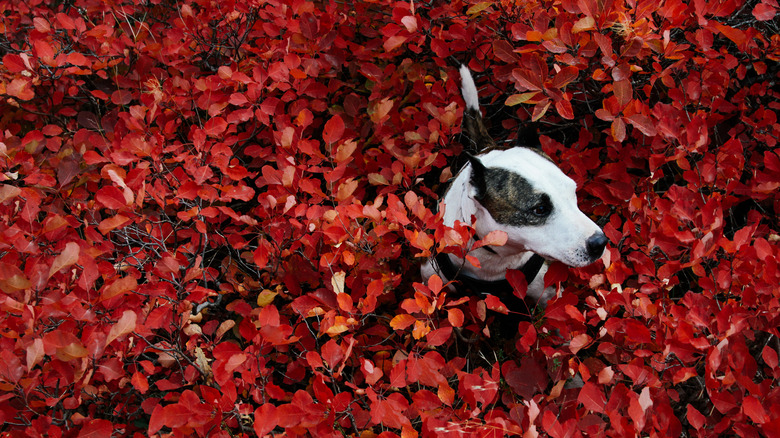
(735, 35)
(540, 109)
(34, 353)
(400, 322)
(420, 330)
(520, 98)
(394, 42)
(493, 238)
(8, 191)
(20, 88)
(618, 129)
(66, 258)
(579, 342)
(112, 223)
(446, 394)
(455, 317)
(584, 23)
(125, 325)
(118, 287)
(479, 7)
(140, 382)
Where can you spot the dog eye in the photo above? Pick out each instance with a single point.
(542, 209)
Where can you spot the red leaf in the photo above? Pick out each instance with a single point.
(754, 409)
(504, 51)
(332, 353)
(111, 197)
(556, 273)
(637, 332)
(527, 379)
(65, 21)
(35, 353)
(764, 12)
(592, 397)
(564, 108)
(390, 411)
(695, 417)
(763, 249)
(494, 304)
(174, 415)
(96, 429)
(394, 42)
(439, 336)
(527, 80)
(769, 355)
(10, 366)
(643, 123)
(156, 421)
(518, 281)
(333, 130)
(77, 59)
(623, 92)
(434, 285)
(119, 287)
(140, 382)
(215, 126)
(14, 63)
(372, 372)
(565, 76)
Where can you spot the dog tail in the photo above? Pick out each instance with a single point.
(473, 127)
(468, 88)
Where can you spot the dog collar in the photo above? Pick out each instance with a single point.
(496, 287)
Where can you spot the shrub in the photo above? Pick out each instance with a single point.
(215, 212)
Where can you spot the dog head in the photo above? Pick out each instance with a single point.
(524, 194)
(520, 191)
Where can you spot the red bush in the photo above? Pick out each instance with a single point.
(215, 212)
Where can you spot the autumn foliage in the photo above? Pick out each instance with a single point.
(214, 212)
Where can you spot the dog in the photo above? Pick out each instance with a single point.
(520, 191)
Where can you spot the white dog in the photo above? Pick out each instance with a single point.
(521, 192)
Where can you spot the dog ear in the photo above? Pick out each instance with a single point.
(473, 126)
(477, 175)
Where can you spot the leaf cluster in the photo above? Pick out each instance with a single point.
(213, 214)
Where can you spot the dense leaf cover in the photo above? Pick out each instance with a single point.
(214, 213)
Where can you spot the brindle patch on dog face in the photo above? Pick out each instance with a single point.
(510, 199)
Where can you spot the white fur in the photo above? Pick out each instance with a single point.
(468, 88)
(562, 237)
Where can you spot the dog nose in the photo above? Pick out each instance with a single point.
(596, 244)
